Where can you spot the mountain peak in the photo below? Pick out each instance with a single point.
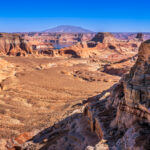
(68, 29)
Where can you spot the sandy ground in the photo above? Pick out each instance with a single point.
(38, 92)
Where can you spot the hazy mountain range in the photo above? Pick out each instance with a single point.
(68, 29)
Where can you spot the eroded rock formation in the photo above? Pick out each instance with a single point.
(140, 36)
(119, 118)
(103, 45)
(104, 37)
(123, 118)
(13, 44)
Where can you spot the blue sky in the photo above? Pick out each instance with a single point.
(97, 15)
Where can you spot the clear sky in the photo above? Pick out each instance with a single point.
(96, 15)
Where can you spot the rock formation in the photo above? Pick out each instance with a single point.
(13, 44)
(116, 119)
(140, 36)
(104, 37)
(16, 45)
(123, 118)
(121, 67)
(138, 81)
(103, 45)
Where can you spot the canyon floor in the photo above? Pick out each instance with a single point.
(37, 93)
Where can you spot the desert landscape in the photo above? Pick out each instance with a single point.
(90, 95)
(74, 75)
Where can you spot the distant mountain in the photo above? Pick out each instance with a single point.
(68, 29)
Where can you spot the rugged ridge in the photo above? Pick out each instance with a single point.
(123, 118)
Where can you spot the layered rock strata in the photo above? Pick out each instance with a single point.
(13, 44)
(123, 118)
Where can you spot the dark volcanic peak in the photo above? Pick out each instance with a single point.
(68, 29)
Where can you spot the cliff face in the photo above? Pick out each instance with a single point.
(123, 118)
(137, 83)
(104, 37)
(13, 44)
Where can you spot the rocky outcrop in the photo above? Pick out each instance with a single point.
(13, 44)
(140, 36)
(120, 68)
(123, 118)
(104, 37)
(138, 81)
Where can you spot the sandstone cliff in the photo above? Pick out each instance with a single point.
(123, 118)
(13, 44)
(16, 45)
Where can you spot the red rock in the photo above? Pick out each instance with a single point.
(13, 44)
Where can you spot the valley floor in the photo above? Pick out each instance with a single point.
(39, 92)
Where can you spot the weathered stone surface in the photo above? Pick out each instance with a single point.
(129, 103)
(13, 44)
(137, 82)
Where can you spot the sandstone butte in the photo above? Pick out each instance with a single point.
(120, 120)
